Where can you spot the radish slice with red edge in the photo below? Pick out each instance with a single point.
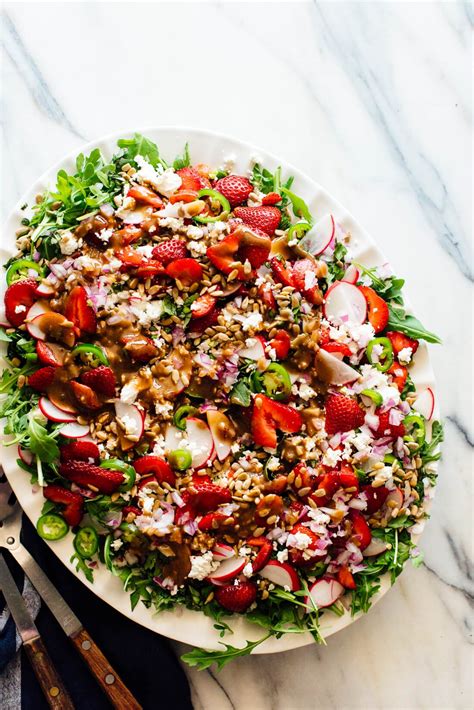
(63, 406)
(200, 442)
(74, 431)
(45, 290)
(221, 551)
(281, 573)
(323, 593)
(344, 302)
(228, 569)
(352, 274)
(37, 309)
(318, 239)
(221, 428)
(255, 351)
(375, 547)
(131, 417)
(334, 371)
(425, 403)
(53, 413)
(25, 455)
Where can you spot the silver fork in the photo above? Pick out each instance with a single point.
(10, 530)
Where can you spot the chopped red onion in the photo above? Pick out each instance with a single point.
(177, 499)
(190, 527)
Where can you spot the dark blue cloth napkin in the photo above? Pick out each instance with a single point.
(144, 660)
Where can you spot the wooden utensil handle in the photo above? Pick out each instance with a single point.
(110, 682)
(51, 684)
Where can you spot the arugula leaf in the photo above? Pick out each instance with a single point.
(300, 208)
(139, 145)
(42, 444)
(367, 587)
(429, 451)
(169, 306)
(411, 326)
(203, 659)
(182, 161)
(81, 566)
(241, 393)
(337, 266)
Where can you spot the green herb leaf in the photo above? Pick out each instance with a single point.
(411, 326)
(139, 145)
(203, 659)
(300, 208)
(81, 566)
(182, 161)
(241, 394)
(42, 444)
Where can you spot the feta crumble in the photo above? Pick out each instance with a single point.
(202, 566)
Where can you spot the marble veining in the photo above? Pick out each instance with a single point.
(373, 100)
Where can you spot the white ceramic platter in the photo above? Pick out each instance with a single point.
(205, 147)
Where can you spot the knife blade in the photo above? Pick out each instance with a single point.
(21, 616)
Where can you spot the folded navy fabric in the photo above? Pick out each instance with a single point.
(143, 659)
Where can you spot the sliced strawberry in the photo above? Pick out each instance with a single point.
(127, 509)
(88, 474)
(169, 251)
(19, 297)
(42, 378)
(328, 483)
(265, 294)
(149, 269)
(127, 235)
(78, 311)
(146, 196)
(192, 180)
(272, 198)
(188, 271)
(73, 503)
(255, 255)
(154, 466)
(101, 379)
(400, 341)
(208, 496)
(361, 534)
(324, 337)
(236, 188)
(347, 477)
(199, 325)
(85, 396)
(385, 428)
(236, 597)
(298, 557)
(212, 521)
(266, 217)
(340, 348)
(241, 244)
(378, 313)
(268, 507)
(203, 305)
(303, 478)
(344, 576)
(342, 414)
(265, 549)
(50, 353)
(139, 347)
(282, 272)
(130, 257)
(399, 375)
(305, 279)
(79, 451)
(281, 343)
(375, 497)
(278, 484)
(183, 196)
(268, 416)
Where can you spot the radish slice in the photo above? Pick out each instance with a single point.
(395, 496)
(375, 547)
(281, 573)
(200, 442)
(324, 592)
(222, 431)
(345, 303)
(425, 403)
(37, 309)
(45, 290)
(25, 455)
(221, 551)
(317, 240)
(54, 413)
(131, 417)
(75, 431)
(63, 406)
(352, 274)
(254, 351)
(334, 371)
(228, 569)
(175, 439)
(34, 328)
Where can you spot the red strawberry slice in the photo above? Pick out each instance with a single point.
(375, 498)
(342, 414)
(154, 466)
(139, 347)
(265, 294)
(192, 180)
(131, 509)
(130, 257)
(399, 375)
(203, 305)
(297, 557)
(254, 254)
(101, 379)
(129, 234)
(265, 549)
(281, 343)
(79, 451)
(78, 311)
(361, 534)
(42, 378)
(212, 521)
(72, 502)
(378, 312)
(266, 217)
(50, 353)
(88, 474)
(347, 477)
(305, 278)
(236, 188)
(199, 325)
(270, 505)
(231, 252)
(188, 271)
(236, 597)
(268, 416)
(385, 428)
(149, 269)
(85, 396)
(282, 272)
(400, 341)
(208, 496)
(341, 348)
(19, 297)
(303, 478)
(272, 198)
(344, 576)
(169, 251)
(146, 196)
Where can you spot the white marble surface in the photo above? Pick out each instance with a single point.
(373, 100)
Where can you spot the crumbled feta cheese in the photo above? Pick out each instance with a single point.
(165, 182)
(21, 308)
(309, 279)
(129, 425)
(163, 409)
(116, 544)
(197, 248)
(282, 556)
(202, 565)
(105, 235)
(248, 570)
(68, 243)
(405, 355)
(195, 232)
(306, 392)
(146, 311)
(234, 448)
(129, 392)
(298, 540)
(146, 250)
(85, 263)
(228, 162)
(250, 322)
(331, 457)
(273, 463)
(159, 446)
(244, 551)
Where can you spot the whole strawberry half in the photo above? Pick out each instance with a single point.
(378, 313)
(236, 188)
(268, 416)
(208, 496)
(88, 474)
(101, 379)
(400, 341)
(169, 251)
(266, 217)
(42, 378)
(79, 312)
(342, 414)
(72, 502)
(85, 396)
(79, 451)
(19, 297)
(236, 597)
(192, 180)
